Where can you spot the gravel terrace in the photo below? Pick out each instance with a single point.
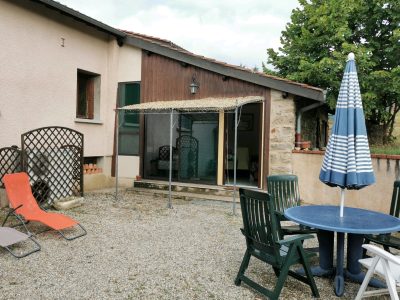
(136, 248)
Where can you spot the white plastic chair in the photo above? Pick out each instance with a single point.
(384, 264)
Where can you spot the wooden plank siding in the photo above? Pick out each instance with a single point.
(165, 79)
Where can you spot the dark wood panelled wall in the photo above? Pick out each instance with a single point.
(165, 79)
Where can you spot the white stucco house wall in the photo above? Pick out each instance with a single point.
(41, 52)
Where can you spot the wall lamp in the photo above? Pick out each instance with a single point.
(285, 95)
(194, 86)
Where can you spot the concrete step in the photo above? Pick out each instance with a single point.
(209, 190)
(181, 195)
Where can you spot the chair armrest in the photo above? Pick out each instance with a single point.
(11, 211)
(14, 209)
(292, 239)
(280, 215)
(382, 253)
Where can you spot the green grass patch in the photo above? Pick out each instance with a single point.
(393, 149)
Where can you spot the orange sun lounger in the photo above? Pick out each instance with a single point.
(20, 197)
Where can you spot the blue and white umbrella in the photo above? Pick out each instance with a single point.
(347, 160)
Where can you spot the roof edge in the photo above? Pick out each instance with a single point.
(226, 70)
(63, 9)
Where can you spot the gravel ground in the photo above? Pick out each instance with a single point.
(136, 248)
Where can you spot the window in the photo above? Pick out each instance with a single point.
(88, 95)
(128, 94)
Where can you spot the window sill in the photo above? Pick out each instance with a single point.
(88, 121)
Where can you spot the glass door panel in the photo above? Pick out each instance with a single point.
(195, 146)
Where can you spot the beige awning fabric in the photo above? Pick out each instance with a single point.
(205, 104)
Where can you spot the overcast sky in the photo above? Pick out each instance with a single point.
(232, 31)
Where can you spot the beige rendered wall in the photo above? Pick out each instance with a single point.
(376, 197)
(281, 133)
(40, 53)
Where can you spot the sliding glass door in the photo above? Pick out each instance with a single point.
(194, 151)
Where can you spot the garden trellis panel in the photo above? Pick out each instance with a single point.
(10, 162)
(53, 159)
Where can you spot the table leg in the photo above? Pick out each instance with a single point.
(354, 253)
(326, 243)
(339, 278)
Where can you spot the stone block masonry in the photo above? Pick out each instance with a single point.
(283, 116)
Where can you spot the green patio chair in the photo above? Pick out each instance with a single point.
(262, 232)
(285, 190)
(388, 240)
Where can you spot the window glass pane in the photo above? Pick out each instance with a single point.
(157, 149)
(248, 146)
(132, 96)
(128, 143)
(129, 93)
(194, 147)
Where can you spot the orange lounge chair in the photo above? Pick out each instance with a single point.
(20, 196)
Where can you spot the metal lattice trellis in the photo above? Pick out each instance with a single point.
(10, 162)
(53, 159)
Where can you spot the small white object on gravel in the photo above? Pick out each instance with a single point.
(68, 203)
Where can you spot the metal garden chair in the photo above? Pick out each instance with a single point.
(388, 240)
(286, 194)
(262, 232)
(10, 236)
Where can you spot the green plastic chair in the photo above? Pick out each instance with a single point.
(285, 190)
(262, 232)
(388, 240)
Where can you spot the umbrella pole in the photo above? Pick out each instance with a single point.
(170, 160)
(234, 163)
(341, 202)
(116, 152)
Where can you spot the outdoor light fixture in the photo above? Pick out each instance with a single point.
(194, 86)
(285, 95)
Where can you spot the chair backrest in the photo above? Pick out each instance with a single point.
(395, 205)
(19, 192)
(285, 191)
(188, 153)
(163, 152)
(261, 228)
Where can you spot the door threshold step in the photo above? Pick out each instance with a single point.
(182, 195)
(202, 189)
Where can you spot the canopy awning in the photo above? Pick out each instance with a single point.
(205, 104)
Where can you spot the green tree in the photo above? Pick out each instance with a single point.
(316, 42)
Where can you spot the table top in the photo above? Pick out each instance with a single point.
(354, 220)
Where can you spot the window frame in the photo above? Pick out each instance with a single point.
(91, 82)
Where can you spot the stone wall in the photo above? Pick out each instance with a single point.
(283, 117)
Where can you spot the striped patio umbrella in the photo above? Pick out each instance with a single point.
(347, 160)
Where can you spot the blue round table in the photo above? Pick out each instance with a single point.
(356, 222)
